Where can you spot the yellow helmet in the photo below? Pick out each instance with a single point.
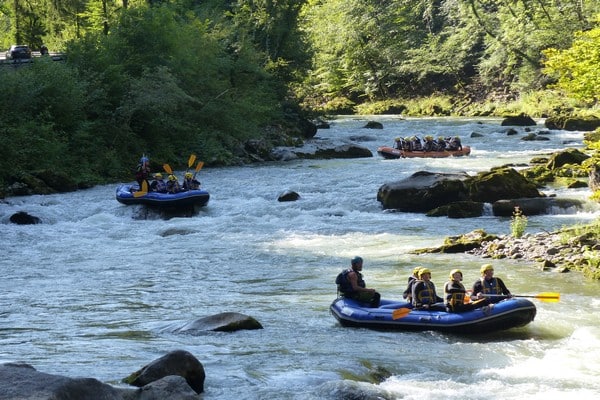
(397, 139)
(158, 175)
(172, 177)
(424, 271)
(486, 267)
(454, 271)
(188, 175)
(416, 270)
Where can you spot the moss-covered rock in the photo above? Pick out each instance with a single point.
(501, 183)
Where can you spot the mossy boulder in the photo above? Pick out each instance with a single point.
(567, 156)
(571, 123)
(461, 243)
(501, 183)
(459, 209)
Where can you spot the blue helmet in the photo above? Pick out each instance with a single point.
(355, 260)
(144, 159)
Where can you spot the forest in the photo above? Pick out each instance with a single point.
(227, 80)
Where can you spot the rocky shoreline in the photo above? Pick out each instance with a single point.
(560, 251)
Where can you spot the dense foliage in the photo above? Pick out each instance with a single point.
(165, 81)
(172, 77)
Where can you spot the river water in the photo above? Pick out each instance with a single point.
(96, 289)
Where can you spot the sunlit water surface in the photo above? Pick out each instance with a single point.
(96, 289)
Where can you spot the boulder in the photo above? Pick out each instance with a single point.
(22, 381)
(423, 191)
(533, 206)
(569, 123)
(594, 177)
(170, 387)
(23, 218)
(518, 120)
(179, 363)
(374, 125)
(567, 156)
(498, 184)
(459, 209)
(288, 195)
(223, 322)
(321, 149)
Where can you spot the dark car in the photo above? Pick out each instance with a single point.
(18, 51)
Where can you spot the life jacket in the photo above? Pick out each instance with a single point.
(417, 145)
(455, 294)
(427, 294)
(491, 286)
(344, 285)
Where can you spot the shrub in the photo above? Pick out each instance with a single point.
(518, 223)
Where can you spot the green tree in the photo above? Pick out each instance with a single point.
(576, 68)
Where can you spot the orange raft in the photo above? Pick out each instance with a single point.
(392, 153)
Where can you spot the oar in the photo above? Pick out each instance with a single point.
(168, 169)
(191, 161)
(198, 167)
(547, 297)
(400, 313)
(143, 190)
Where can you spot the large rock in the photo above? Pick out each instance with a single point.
(22, 381)
(179, 363)
(498, 184)
(567, 156)
(570, 123)
(321, 149)
(534, 206)
(222, 322)
(423, 191)
(23, 218)
(518, 120)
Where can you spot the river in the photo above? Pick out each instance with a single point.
(95, 290)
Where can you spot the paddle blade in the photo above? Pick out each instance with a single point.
(191, 160)
(167, 169)
(143, 190)
(400, 313)
(199, 166)
(548, 297)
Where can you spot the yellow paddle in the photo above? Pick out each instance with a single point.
(168, 169)
(546, 297)
(198, 167)
(400, 313)
(191, 160)
(143, 190)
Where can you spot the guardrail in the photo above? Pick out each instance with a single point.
(24, 61)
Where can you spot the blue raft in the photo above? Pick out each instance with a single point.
(176, 201)
(507, 314)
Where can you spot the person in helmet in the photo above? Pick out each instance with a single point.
(399, 143)
(455, 144)
(158, 184)
(189, 182)
(173, 184)
(490, 287)
(352, 285)
(407, 294)
(142, 172)
(456, 296)
(424, 296)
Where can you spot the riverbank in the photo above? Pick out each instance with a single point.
(574, 248)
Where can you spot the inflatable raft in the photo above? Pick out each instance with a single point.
(392, 153)
(395, 315)
(182, 200)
